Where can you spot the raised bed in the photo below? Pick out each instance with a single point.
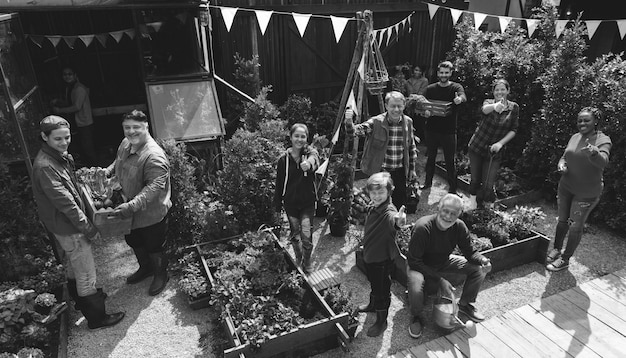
(504, 203)
(532, 249)
(312, 338)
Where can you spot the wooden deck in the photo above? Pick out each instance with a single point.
(585, 321)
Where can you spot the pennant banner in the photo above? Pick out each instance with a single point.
(156, 25)
(70, 41)
(352, 103)
(592, 26)
(263, 18)
(117, 36)
(339, 25)
(621, 26)
(531, 24)
(559, 27)
(130, 33)
(432, 10)
(86, 39)
(478, 19)
(456, 14)
(301, 22)
(228, 14)
(504, 22)
(54, 40)
(102, 38)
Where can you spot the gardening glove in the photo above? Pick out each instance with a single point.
(124, 210)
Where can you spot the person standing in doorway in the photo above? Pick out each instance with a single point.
(76, 104)
(441, 131)
(144, 173)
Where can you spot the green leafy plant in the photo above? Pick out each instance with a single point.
(341, 300)
(45, 299)
(193, 280)
(220, 222)
(16, 309)
(30, 352)
(259, 111)
(340, 192)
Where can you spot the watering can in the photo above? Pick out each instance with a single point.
(445, 311)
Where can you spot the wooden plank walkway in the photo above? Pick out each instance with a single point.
(585, 321)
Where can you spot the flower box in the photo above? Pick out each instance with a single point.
(531, 249)
(190, 271)
(307, 339)
(108, 223)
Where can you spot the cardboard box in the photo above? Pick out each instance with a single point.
(109, 224)
(436, 108)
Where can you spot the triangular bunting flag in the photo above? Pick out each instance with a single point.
(156, 25)
(228, 13)
(70, 41)
(432, 9)
(361, 68)
(322, 169)
(339, 24)
(478, 19)
(559, 27)
(263, 18)
(352, 103)
(335, 136)
(102, 38)
(377, 34)
(455, 15)
(592, 26)
(86, 39)
(182, 17)
(389, 34)
(621, 26)
(504, 22)
(130, 33)
(117, 36)
(301, 21)
(54, 40)
(531, 24)
(37, 40)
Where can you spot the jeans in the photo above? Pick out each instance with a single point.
(80, 265)
(455, 264)
(573, 213)
(435, 140)
(398, 197)
(379, 276)
(300, 223)
(484, 171)
(152, 238)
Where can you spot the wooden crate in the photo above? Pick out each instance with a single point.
(108, 224)
(312, 338)
(436, 108)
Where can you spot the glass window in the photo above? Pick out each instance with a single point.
(18, 73)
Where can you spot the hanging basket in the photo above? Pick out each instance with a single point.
(376, 76)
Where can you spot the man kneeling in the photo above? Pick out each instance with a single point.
(433, 239)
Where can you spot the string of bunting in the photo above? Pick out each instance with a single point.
(531, 24)
(87, 39)
(403, 25)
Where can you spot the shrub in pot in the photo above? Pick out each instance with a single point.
(340, 194)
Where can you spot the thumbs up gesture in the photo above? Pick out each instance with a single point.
(457, 98)
(499, 106)
(401, 217)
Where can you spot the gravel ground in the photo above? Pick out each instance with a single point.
(164, 326)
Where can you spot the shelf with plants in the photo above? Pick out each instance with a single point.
(267, 305)
(506, 238)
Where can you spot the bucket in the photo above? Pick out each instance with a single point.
(445, 310)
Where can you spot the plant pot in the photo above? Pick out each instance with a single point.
(199, 302)
(338, 229)
(43, 310)
(321, 210)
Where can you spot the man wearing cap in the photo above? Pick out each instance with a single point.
(62, 211)
(144, 173)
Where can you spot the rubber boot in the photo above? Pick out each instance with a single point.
(369, 307)
(94, 311)
(159, 262)
(73, 292)
(307, 266)
(472, 203)
(145, 268)
(381, 324)
(297, 251)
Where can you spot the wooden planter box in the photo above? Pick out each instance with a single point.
(502, 258)
(108, 224)
(309, 339)
(200, 302)
(436, 108)
(504, 203)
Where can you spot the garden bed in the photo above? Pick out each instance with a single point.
(504, 238)
(325, 330)
(463, 183)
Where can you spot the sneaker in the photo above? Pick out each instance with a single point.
(416, 327)
(553, 255)
(471, 312)
(558, 265)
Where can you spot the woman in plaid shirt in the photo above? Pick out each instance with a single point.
(497, 127)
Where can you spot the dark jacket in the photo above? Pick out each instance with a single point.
(294, 189)
(56, 193)
(379, 235)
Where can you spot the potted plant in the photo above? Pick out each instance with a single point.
(340, 194)
(340, 300)
(45, 302)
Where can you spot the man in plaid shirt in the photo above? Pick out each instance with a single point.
(389, 144)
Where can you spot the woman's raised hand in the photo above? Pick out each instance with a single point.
(499, 106)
